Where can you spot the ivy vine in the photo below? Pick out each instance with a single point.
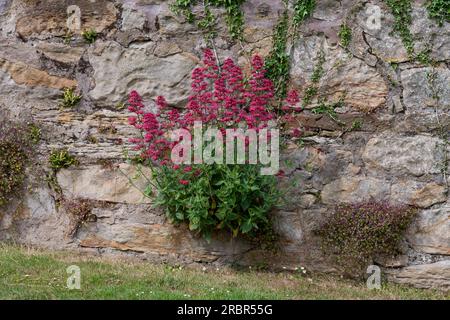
(278, 62)
(234, 15)
(439, 10)
(401, 9)
(302, 10)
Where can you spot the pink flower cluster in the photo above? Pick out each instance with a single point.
(221, 97)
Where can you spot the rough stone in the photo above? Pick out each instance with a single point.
(132, 18)
(422, 195)
(23, 74)
(354, 189)
(60, 52)
(430, 233)
(146, 231)
(384, 43)
(360, 188)
(44, 19)
(434, 275)
(361, 86)
(115, 76)
(388, 46)
(104, 184)
(35, 221)
(419, 90)
(415, 155)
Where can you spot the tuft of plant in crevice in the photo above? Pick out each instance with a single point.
(61, 159)
(234, 16)
(79, 211)
(357, 233)
(89, 35)
(439, 10)
(329, 109)
(70, 98)
(17, 143)
(345, 35)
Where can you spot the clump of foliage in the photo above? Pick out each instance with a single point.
(439, 10)
(356, 233)
(233, 198)
(208, 197)
(277, 63)
(79, 210)
(328, 109)
(70, 98)
(401, 9)
(234, 14)
(34, 133)
(345, 35)
(302, 10)
(89, 35)
(60, 159)
(16, 148)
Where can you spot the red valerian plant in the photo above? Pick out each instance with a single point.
(235, 198)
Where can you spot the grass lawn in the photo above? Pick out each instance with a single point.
(34, 274)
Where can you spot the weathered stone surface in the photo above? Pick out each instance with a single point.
(104, 184)
(388, 46)
(35, 221)
(23, 74)
(132, 18)
(143, 229)
(354, 189)
(434, 275)
(416, 155)
(361, 86)
(419, 194)
(117, 71)
(419, 90)
(360, 188)
(288, 225)
(384, 43)
(44, 19)
(430, 232)
(60, 52)
(428, 35)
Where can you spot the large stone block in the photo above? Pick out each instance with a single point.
(35, 221)
(355, 189)
(49, 18)
(360, 85)
(420, 85)
(430, 233)
(360, 188)
(145, 230)
(120, 184)
(411, 155)
(430, 276)
(117, 71)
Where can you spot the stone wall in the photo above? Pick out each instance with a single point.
(396, 155)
